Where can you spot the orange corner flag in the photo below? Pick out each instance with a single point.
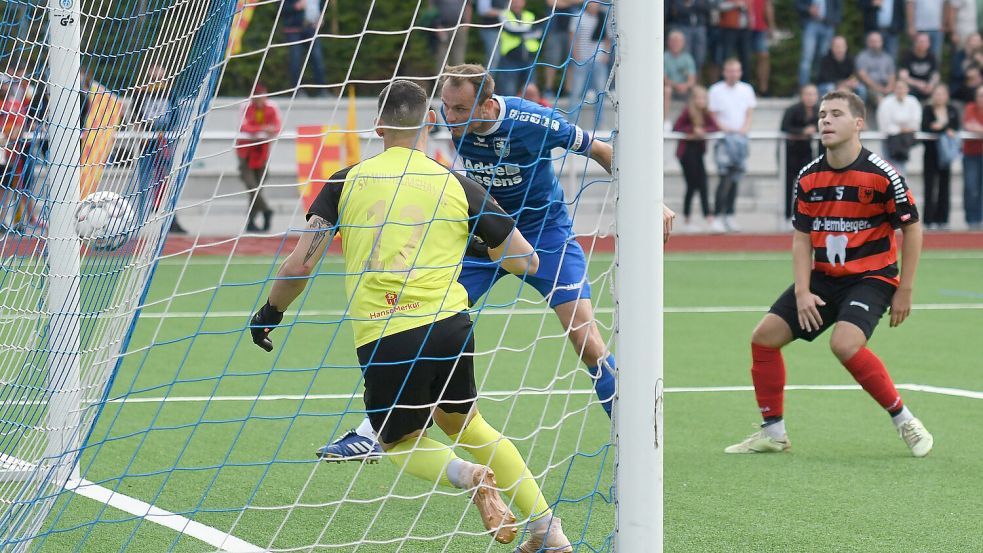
(240, 22)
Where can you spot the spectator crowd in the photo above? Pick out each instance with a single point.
(897, 71)
(717, 66)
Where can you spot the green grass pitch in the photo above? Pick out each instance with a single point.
(848, 484)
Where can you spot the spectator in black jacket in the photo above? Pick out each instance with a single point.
(939, 116)
(690, 18)
(837, 70)
(966, 91)
(919, 69)
(300, 19)
(969, 54)
(886, 18)
(819, 21)
(799, 121)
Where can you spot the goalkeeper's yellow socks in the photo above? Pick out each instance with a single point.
(424, 458)
(490, 448)
(434, 462)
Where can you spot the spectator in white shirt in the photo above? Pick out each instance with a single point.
(898, 116)
(731, 102)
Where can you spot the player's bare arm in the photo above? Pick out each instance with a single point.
(291, 280)
(807, 303)
(747, 121)
(292, 276)
(911, 249)
(602, 152)
(517, 255)
(668, 216)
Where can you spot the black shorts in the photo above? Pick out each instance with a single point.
(418, 369)
(858, 300)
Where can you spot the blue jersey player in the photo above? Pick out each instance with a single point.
(505, 144)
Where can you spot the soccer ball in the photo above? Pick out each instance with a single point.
(104, 220)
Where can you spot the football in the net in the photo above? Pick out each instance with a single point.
(105, 220)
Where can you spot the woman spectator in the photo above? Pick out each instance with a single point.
(941, 117)
(899, 116)
(695, 121)
(799, 123)
(973, 163)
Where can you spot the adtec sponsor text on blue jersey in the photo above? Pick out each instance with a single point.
(513, 160)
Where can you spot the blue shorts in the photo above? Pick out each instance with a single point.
(758, 41)
(561, 278)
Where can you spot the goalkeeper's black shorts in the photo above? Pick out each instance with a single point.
(410, 372)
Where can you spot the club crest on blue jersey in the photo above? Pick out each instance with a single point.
(501, 146)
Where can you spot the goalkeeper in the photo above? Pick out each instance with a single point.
(407, 221)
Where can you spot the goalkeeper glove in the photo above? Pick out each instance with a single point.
(477, 248)
(262, 324)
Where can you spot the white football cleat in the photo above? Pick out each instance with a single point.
(917, 438)
(760, 442)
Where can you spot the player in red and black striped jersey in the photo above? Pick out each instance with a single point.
(847, 205)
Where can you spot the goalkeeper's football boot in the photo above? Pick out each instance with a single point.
(917, 437)
(351, 447)
(760, 442)
(495, 514)
(549, 539)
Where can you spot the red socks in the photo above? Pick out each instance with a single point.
(768, 375)
(868, 370)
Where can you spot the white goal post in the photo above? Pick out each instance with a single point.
(639, 148)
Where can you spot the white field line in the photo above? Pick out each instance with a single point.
(955, 392)
(223, 541)
(506, 312)
(500, 312)
(261, 260)
(231, 544)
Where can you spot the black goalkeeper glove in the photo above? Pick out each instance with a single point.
(262, 324)
(477, 248)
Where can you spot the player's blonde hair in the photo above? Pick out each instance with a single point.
(477, 75)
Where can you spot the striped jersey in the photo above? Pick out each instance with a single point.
(851, 214)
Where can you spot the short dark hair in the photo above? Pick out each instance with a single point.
(477, 75)
(403, 104)
(856, 105)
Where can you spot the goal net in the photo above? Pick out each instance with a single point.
(136, 412)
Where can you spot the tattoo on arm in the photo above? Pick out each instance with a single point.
(322, 229)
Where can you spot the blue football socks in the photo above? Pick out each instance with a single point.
(604, 385)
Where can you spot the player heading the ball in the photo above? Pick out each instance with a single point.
(407, 221)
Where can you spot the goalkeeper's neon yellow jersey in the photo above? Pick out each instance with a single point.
(404, 221)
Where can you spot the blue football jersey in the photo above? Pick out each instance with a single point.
(514, 161)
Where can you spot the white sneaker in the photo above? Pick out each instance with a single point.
(731, 224)
(717, 226)
(760, 442)
(552, 540)
(917, 437)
